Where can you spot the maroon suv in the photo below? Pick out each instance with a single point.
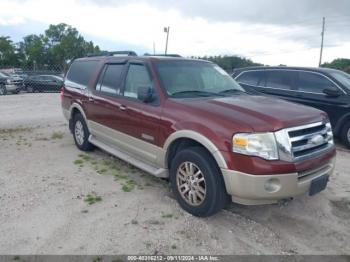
(189, 121)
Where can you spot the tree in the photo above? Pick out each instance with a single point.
(339, 63)
(8, 54)
(33, 50)
(64, 43)
(230, 62)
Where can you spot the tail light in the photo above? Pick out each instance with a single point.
(62, 94)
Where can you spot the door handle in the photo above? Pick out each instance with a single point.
(122, 107)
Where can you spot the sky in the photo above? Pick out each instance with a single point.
(271, 32)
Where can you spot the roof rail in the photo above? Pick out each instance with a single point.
(171, 55)
(114, 53)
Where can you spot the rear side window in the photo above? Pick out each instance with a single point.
(250, 78)
(280, 79)
(314, 83)
(138, 76)
(80, 73)
(109, 81)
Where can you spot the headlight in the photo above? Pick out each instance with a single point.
(259, 144)
(329, 133)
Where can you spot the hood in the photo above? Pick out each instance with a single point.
(260, 113)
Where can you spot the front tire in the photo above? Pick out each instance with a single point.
(3, 90)
(345, 134)
(81, 133)
(197, 182)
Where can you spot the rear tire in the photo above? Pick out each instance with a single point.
(3, 90)
(81, 133)
(197, 182)
(345, 134)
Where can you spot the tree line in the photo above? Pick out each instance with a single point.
(61, 43)
(52, 50)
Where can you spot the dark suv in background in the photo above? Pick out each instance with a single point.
(322, 88)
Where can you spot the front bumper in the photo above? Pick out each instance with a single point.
(250, 189)
(11, 87)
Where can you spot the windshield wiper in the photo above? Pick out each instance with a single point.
(227, 91)
(195, 93)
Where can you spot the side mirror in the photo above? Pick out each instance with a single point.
(332, 92)
(145, 94)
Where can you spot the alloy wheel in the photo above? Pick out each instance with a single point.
(191, 183)
(79, 132)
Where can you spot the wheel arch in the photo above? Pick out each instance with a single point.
(186, 138)
(75, 108)
(341, 122)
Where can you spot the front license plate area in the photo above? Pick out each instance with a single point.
(318, 184)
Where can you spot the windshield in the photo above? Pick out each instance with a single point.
(195, 79)
(3, 74)
(342, 77)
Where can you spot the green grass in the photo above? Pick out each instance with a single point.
(128, 185)
(92, 198)
(57, 135)
(148, 244)
(167, 215)
(84, 157)
(78, 162)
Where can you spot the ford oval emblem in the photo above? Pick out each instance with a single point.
(316, 140)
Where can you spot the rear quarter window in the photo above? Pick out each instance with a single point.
(80, 73)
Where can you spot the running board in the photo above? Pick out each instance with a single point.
(158, 172)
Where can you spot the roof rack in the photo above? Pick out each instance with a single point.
(114, 53)
(171, 55)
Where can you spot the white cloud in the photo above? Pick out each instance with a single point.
(141, 24)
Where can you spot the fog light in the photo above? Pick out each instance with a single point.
(272, 185)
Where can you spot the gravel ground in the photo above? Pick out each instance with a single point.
(46, 183)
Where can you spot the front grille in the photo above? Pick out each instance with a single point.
(310, 139)
(17, 82)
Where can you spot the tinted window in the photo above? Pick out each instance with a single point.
(280, 79)
(137, 76)
(250, 78)
(80, 73)
(315, 83)
(342, 77)
(109, 81)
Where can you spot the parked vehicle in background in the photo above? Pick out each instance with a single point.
(42, 83)
(189, 121)
(322, 88)
(10, 84)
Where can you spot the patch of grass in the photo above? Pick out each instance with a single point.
(164, 215)
(92, 198)
(78, 162)
(97, 259)
(57, 135)
(128, 185)
(148, 244)
(102, 170)
(84, 157)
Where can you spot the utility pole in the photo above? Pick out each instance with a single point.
(322, 37)
(166, 30)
